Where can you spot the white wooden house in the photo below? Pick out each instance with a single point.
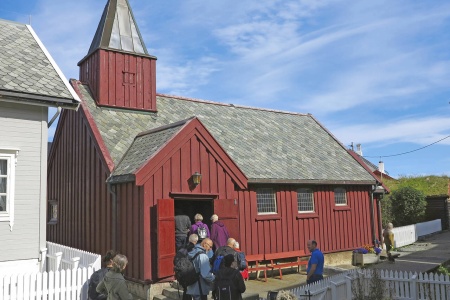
(30, 83)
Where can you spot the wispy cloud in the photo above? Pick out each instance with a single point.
(377, 71)
(178, 76)
(421, 131)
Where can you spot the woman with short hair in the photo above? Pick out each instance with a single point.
(200, 228)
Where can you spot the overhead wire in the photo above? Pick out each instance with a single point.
(403, 153)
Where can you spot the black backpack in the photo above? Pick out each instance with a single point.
(184, 269)
(224, 289)
(95, 279)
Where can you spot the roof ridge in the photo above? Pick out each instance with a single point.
(232, 105)
(165, 127)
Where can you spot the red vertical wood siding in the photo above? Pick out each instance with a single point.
(120, 79)
(171, 177)
(333, 228)
(129, 227)
(76, 180)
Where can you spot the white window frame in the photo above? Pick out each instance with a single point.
(339, 190)
(10, 155)
(266, 191)
(310, 194)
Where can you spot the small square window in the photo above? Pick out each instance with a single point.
(266, 201)
(52, 212)
(305, 200)
(340, 196)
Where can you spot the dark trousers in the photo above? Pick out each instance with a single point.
(314, 278)
(186, 296)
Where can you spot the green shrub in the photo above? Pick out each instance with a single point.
(408, 206)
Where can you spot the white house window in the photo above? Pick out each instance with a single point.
(4, 162)
(340, 196)
(266, 201)
(305, 200)
(7, 185)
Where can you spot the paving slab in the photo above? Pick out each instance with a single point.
(423, 256)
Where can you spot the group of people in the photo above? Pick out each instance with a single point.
(183, 227)
(217, 262)
(218, 271)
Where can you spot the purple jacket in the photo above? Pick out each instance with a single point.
(195, 226)
(219, 234)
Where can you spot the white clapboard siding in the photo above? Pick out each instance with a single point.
(59, 285)
(23, 128)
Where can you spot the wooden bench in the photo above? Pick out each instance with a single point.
(284, 260)
(254, 265)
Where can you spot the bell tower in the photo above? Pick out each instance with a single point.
(118, 68)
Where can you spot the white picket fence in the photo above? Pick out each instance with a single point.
(59, 285)
(406, 235)
(398, 285)
(61, 257)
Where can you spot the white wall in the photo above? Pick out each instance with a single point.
(25, 127)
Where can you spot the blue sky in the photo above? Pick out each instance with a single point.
(372, 72)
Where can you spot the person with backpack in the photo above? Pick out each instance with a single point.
(113, 284)
(200, 289)
(217, 259)
(219, 232)
(182, 264)
(98, 275)
(182, 228)
(229, 284)
(199, 228)
(242, 261)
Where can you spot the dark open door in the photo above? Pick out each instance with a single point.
(228, 212)
(165, 237)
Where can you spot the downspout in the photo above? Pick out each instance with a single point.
(380, 226)
(58, 112)
(113, 216)
(372, 216)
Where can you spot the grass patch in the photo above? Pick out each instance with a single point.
(429, 185)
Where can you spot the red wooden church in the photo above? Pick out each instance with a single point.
(121, 165)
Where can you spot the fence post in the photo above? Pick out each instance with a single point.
(334, 293)
(75, 262)
(348, 283)
(58, 256)
(413, 285)
(43, 259)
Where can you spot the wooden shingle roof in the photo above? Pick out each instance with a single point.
(267, 145)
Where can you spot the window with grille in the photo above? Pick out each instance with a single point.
(4, 183)
(7, 184)
(305, 200)
(340, 196)
(52, 212)
(266, 201)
